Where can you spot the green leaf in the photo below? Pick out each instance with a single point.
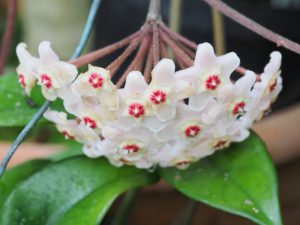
(74, 191)
(16, 109)
(13, 177)
(240, 180)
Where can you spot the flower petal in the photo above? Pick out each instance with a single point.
(166, 112)
(135, 82)
(163, 72)
(245, 83)
(228, 63)
(46, 53)
(205, 56)
(153, 123)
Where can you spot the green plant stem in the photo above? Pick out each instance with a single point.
(175, 15)
(219, 31)
(186, 216)
(84, 38)
(126, 206)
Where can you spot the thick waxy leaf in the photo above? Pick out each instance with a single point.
(13, 177)
(239, 180)
(72, 191)
(16, 109)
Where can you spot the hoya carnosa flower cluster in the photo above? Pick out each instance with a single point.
(179, 118)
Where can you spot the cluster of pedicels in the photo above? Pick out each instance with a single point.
(178, 118)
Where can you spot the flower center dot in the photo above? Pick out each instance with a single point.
(136, 109)
(239, 108)
(46, 81)
(96, 80)
(212, 82)
(192, 131)
(131, 148)
(22, 80)
(90, 122)
(67, 135)
(158, 97)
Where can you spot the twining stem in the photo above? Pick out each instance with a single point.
(92, 56)
(177, 51)
(83, 40)
(155, 44)
(125, 208)
(177, 36)
(186, 216)
(23, 135)
(136, 62)
(219, 32)
(8, 33)
(253, 26)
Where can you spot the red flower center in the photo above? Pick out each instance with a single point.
(96, 80)
(46, 81)
(212, 82)
(90, 122)
(238, 109)
(136, 109)
(22, 80)
(158, 97)
(68, 136)
(131, 148)
(192, 131)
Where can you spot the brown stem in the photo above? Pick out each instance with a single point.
(163, 48)
(8, 34)
(115, 65)
(180, 62)
(177, 51)
(253, 26)
(149, 66)
(177, 36)
(155, 43)
(187, 50)
(136, 63)
(92, 56)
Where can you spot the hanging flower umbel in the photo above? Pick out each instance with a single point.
(175, 119)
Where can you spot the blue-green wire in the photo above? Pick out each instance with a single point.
(80, 47)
